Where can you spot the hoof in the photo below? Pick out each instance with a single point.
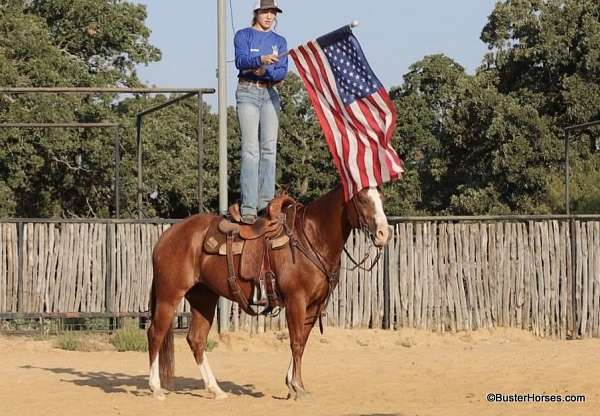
(302, 396)
(159, 395)
(219, 395)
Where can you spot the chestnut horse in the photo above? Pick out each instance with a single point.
(304, 280)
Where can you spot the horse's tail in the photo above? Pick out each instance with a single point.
(152, 301)
(166, 356)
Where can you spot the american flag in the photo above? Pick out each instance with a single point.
(356, 114)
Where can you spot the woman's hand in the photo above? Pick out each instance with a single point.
(259, 72)
(269, 59)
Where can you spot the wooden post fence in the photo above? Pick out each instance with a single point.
(437, 274)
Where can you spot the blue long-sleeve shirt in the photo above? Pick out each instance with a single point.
(251, 44)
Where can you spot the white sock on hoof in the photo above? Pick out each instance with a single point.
(154, 380)
(209, 379)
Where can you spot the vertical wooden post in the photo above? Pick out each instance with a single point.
(109, 287)
(20, 240)
(386, 287)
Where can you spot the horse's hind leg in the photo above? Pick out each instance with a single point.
(160, 347)
(203, 303)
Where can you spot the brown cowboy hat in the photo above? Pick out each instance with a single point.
(267, 4)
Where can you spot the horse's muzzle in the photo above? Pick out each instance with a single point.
(381, 236)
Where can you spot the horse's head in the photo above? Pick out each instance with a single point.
(365, 211)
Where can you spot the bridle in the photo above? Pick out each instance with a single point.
(361, 224)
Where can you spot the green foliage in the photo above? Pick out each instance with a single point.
(488, 143)
(471, 149)
(492, 143)
(211, 344)
(77, 341)
(54, 173)
(546, 54)
(129, 338)
(68, 341)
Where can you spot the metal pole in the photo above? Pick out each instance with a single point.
(168, 103)
(567, 173)
(222, 89)
(200, 153)
(117, 173)
(93, 90)
(56, 125)
(138, 129)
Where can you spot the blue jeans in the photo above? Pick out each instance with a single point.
(258, 115)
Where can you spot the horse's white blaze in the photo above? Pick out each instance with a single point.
(154, 376)
(209, 379)
(382, 233)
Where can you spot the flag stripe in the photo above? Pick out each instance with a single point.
(368, 109)
(338, 125)
(365, 153)
(362, 122)
(355, 156)
(331, 134)
(386, 102)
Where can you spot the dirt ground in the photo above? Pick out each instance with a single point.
(358, 372)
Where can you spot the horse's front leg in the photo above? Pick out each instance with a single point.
(300, 322)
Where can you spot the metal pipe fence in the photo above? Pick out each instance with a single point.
(187, 93)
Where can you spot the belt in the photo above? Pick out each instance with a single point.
(258, 83)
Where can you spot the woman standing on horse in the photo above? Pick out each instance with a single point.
(258, 51)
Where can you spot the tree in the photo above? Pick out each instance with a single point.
(546, 53)
(473, 150)
(64, 173)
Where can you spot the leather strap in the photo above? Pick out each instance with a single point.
(234, 287)
(269, 277)
(258, 83)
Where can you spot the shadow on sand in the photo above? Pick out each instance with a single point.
(138, 385)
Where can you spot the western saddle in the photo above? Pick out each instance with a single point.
(248, 251)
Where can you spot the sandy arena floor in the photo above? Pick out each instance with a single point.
(359, 372)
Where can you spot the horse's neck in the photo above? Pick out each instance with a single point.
(326, 224)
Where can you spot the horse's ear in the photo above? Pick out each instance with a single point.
(283, 190)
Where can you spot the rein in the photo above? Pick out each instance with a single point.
(360, 265)
(315, 258)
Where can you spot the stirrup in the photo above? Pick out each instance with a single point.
(270, 312)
